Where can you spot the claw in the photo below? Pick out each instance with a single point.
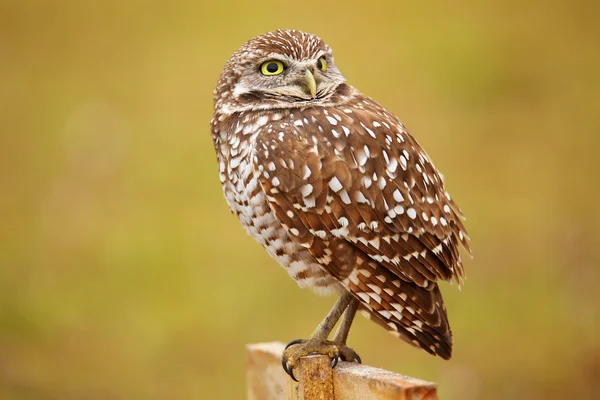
(288, 370)
(293, 342)
(285, 367)
(334, 360)
(357, 358)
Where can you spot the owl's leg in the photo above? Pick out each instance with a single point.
(342, 333)
(318, 342)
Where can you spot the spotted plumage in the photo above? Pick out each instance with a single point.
(335, 188)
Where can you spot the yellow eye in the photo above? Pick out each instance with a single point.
(322, 64)
(272, 67)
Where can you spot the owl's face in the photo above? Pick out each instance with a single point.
(280, 69)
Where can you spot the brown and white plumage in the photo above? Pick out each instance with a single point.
(335, 188)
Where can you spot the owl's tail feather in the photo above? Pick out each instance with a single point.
(408, 311)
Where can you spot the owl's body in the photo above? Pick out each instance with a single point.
(335, 188)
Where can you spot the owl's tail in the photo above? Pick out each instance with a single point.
(413, 313)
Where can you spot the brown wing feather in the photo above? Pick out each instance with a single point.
(355, 189)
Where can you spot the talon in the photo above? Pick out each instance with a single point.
(284, 365)
(293, 342)
(348, 354)
(288, 369)
(290, 372)
(334, 360)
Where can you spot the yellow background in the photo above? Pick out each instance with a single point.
(124, 276)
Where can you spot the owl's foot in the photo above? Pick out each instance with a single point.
(299, 348)
(318, 342)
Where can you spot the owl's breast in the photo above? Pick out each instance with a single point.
(246, 198)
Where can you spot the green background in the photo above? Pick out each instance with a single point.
(124, 276)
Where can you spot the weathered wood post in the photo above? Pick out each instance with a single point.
(347, 381)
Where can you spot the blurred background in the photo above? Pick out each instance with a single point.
(124, 276)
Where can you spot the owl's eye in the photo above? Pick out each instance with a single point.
(322, 64)
(273, 67)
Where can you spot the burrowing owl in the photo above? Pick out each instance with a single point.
(337, 191)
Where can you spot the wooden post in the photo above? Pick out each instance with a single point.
(347, 381)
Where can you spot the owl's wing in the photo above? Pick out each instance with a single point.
(359, 193)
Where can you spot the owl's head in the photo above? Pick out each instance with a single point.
(280, 69)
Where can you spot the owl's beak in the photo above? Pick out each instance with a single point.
(311, 84)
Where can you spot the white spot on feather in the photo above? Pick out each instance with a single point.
(307, 172)
(398, 196)
(306, 189)
(375, 297)
(403, 162)
(335, 184)
(345, 197)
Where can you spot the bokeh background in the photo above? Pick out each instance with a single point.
(124, 276)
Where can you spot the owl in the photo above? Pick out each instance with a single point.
(336, 189)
